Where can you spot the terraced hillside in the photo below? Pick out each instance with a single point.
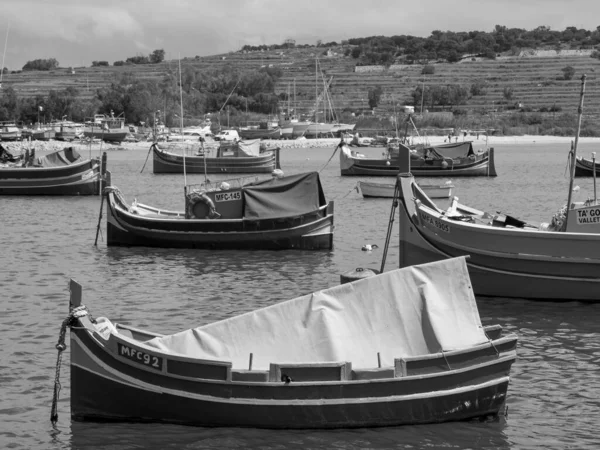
(536, 82)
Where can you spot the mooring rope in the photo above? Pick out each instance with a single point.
(61, 346)
(331, 157)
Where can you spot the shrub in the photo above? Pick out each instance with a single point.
(568, 72)
(428, 70)
(119, 63)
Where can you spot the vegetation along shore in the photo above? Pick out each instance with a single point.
(506, 82)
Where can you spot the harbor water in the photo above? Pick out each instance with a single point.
(554, 394)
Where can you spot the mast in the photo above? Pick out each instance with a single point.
(574, 150)
(3, 56)
(316, 87)
(181, 123)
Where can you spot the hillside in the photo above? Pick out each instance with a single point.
(535, 79)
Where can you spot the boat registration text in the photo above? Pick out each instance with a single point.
(140, 357)
(228, 196)
(587, 216)
(436, 223)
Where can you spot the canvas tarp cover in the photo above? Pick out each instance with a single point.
(413, 311)
(284, 197)
(64, 157)
(249, 148)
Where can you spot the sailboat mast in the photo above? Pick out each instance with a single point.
(316, 87)
(181, 122)
(3, 56)
(574, 151)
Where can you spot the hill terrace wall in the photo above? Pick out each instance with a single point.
(378, 69)
(553, 53)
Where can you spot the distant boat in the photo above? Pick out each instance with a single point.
(586, 167)
(237, 157)
(63, 172)
(264, 130)
(445, 161)
(386, 190)
(406, 347)
(67, 131)
(10, 132)
(106, 128)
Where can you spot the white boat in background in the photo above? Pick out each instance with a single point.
(386, 190)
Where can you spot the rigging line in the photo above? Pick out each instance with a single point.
(332, 155)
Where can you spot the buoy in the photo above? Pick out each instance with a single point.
(369, 247)
(357, 274)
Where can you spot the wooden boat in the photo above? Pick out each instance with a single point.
(230, 157)
(63, 172)
(381, 351)
(509, 257)
(450, 160)
(106, 128)
(264, 130)
(42, 134)
(386, 190)
(278, 213)
(9, 132)
(586, 167)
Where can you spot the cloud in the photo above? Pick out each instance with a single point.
(72, 23)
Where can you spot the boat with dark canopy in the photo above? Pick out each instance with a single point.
(290, 212)
(228, 157)
(403, 347)
(63, 172)
(447, 160)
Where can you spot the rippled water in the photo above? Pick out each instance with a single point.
(554, 396)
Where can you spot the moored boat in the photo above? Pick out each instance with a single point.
(386, 190)
(229, 157)
(106, 128)
(381, 351)
(278, 213)
(63, 172)
(585, 167)
(10, 132)
(450, 160)
(509, 257)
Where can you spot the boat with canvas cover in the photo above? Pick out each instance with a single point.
(509, 257)
(403, 347)
(277, 213)
(370, 189)
(63, 172)
(237, 157)
(450, 160)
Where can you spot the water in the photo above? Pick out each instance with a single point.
(554, 395)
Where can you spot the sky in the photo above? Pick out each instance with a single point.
(77, 32)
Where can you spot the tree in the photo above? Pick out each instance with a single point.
(41, 64)
(374, 96)
(157, 56)
(568, 72)
(508, 92)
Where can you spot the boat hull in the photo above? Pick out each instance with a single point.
(502, 262)
(272, 133)
(313, 231)
(381, 190)
(106, 136)
(166, 162)
(105, 387)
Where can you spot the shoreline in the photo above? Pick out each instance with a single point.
(54, 145)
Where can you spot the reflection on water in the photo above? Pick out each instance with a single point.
(554, 395)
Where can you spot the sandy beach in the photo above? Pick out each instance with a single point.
(483, 141)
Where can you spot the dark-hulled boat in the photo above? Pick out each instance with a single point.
(278, 213)
(231, 157)
(586, 167)
(448, 160)
(63, 172)
(403, 347)
(107, 128)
